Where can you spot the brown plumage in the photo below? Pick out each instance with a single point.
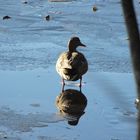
(71, 65)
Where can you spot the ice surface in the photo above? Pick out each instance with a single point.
(29, 48)
(28, 41)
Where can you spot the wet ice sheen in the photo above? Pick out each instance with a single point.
(24, 123)
(109, 112)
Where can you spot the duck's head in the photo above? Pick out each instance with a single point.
(73, 43)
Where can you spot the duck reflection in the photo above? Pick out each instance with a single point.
(71, 104)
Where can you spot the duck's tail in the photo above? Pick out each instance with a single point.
(72, 74)
(70, 71)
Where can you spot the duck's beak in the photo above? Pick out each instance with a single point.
(82, 45)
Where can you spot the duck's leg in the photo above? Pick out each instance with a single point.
(63, 82)
(80, 82)
(63, 85)
(63, 88)
(80, 89)
(80, 86)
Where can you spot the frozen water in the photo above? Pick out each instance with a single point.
(28, 41)
(29, 47)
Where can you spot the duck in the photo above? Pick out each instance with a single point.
(72, 64)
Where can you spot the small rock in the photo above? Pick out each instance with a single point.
(47, 17)
(95, 8)
(6, 17)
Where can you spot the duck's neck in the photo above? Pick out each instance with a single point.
(72, 48)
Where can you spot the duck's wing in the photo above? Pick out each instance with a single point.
(70, 61)
(79, 63)
(64, 61)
